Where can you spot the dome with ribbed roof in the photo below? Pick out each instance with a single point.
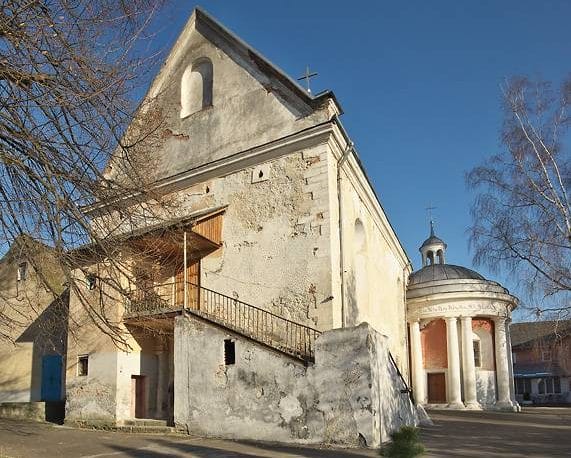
(437, 272)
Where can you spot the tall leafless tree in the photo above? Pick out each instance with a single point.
(522, 212)
(68, 69)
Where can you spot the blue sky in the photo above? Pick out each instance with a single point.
(419, 84)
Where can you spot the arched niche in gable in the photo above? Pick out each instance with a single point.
(196, 87)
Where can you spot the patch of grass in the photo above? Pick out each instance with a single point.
(405, 444)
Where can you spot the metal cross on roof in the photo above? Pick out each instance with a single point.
(430, 218)
(307, 76)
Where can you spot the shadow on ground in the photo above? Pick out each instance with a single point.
(162, 448)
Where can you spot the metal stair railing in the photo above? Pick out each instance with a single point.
(406, 389)
(257, 324)
(260, 325)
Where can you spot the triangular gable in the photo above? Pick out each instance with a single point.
(235, 47)
(254, 102)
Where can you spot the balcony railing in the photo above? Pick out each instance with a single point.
(287, 336)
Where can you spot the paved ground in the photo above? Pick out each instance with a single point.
(535, 432)
(538, 432)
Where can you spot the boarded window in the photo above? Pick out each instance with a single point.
(229, 352)
(83, 365)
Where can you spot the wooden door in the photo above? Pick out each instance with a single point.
(436, 388)
(138, 396)
(193, 279)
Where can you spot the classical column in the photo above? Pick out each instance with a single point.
(418, 378)
(502, 369)
(469, 369)
(455, 396)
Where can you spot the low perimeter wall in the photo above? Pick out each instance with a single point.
(52, 411)
(23, 410)
(351, 396)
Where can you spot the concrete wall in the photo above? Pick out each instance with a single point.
(351, 396)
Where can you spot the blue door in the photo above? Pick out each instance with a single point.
(51, 377)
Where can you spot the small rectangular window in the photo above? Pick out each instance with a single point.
(22, 271)
(91, 280)
(546, 355)
(83, 365)
(477, 354)
(229, 352)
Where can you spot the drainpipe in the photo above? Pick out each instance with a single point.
(406, 330)
(340, 163)
(185, 279)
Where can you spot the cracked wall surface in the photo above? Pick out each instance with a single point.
(276, 253)
(350, 397)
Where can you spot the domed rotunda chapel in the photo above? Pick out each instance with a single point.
(459, 335)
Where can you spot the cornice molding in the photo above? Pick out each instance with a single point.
(297, 141)
(492, 309)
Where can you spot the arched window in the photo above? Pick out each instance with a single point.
(440, 255)
(430, 258)
(196, 87)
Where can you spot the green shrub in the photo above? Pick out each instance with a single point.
(405, 444)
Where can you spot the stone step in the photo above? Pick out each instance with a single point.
(144, 422)
(141, 429)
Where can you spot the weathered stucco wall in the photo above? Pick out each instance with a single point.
(92, 397)
(276, 250)
(351, 396)
(375, 266)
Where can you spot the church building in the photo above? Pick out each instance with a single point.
(278, 303)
